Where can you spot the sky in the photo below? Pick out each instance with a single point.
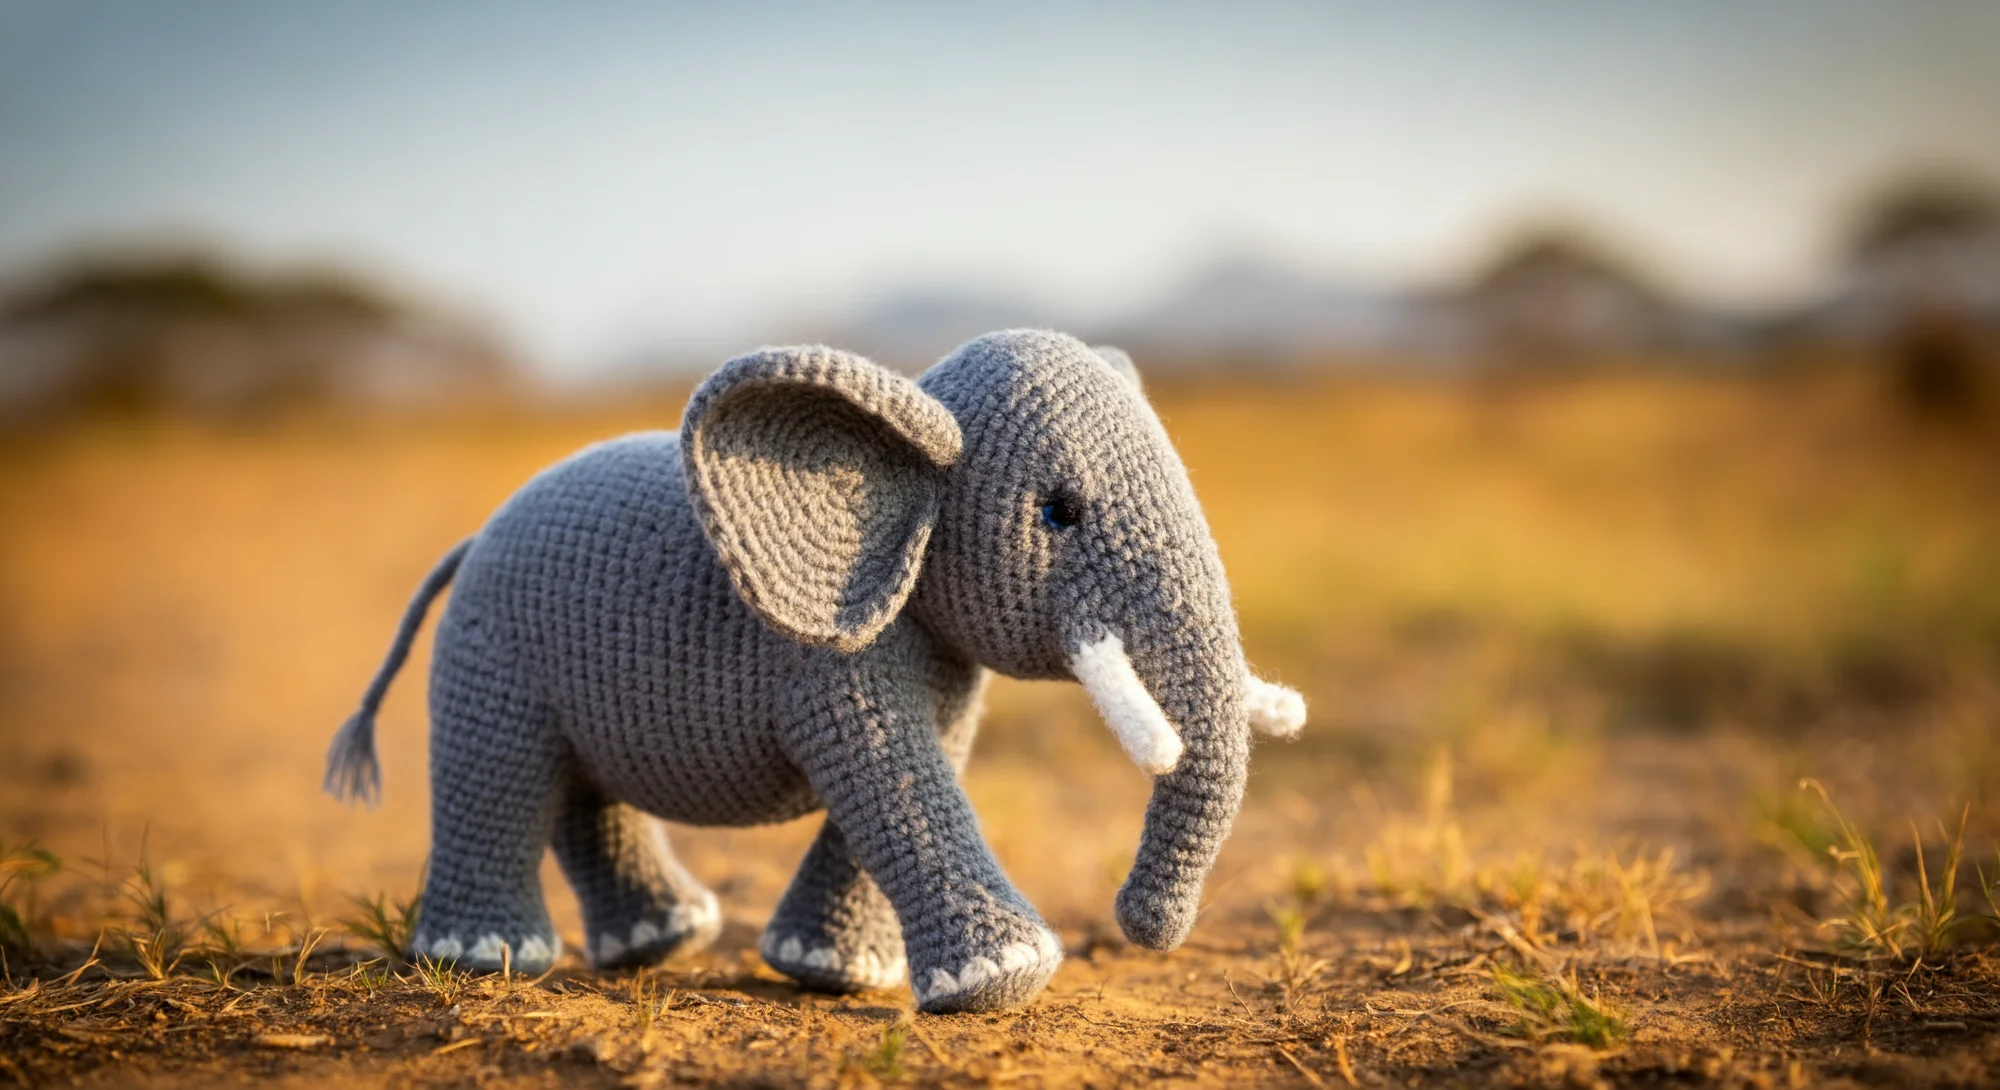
(600, 179)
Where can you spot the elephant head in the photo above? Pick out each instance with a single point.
(1024, 503)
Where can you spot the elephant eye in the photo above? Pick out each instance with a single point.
(1061, 511)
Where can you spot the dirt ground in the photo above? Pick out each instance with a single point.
(1570, 653)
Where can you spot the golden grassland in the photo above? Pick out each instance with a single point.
(1654, 737)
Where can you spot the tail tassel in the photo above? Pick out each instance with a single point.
(352, 771)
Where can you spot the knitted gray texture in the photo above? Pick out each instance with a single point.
(794, 604)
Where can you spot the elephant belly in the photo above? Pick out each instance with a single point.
(693, 770)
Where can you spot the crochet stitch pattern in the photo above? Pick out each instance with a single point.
(793, 604)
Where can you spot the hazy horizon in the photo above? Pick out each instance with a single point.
(603, 178)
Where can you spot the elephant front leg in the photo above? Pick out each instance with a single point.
(834, 931)
(972, 942)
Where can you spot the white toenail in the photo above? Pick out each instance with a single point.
(941, 984)
(1014, 958)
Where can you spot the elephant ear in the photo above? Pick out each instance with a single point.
(816, 475)
(1121, 362)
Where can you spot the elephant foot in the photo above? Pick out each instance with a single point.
(519, 951)
(646, 938)
(835, 963)
(994, 980)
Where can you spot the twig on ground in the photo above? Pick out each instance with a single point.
(1239, 999)
(1303, 1069)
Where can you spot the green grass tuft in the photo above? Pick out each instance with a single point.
(443, 979)
(1556, 1009)
(886, 1060)
(387, 925)
(21, 867)
(152, 938)
(1874, 924)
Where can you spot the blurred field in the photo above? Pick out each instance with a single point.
(1570, 649)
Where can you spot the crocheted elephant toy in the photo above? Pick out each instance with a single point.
(795, 603)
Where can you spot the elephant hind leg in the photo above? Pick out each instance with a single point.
(498, 764)
(640, 906)
(834, 931)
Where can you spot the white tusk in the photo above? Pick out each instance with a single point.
(1275, 711)
(1121, 698)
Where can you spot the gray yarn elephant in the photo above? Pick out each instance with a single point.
(795, 603)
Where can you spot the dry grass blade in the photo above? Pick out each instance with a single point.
(1868, 926)
(306, 946)
(1935, 914)
(1527, 900)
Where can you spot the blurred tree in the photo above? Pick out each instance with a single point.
(1554, 296)
(190, 333)
(1921, 212)
(1923, 285)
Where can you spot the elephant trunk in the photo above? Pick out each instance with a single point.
(1182, 711)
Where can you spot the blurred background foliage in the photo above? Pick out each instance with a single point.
(1916, 300)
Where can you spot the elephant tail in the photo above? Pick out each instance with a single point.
(352, 771)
